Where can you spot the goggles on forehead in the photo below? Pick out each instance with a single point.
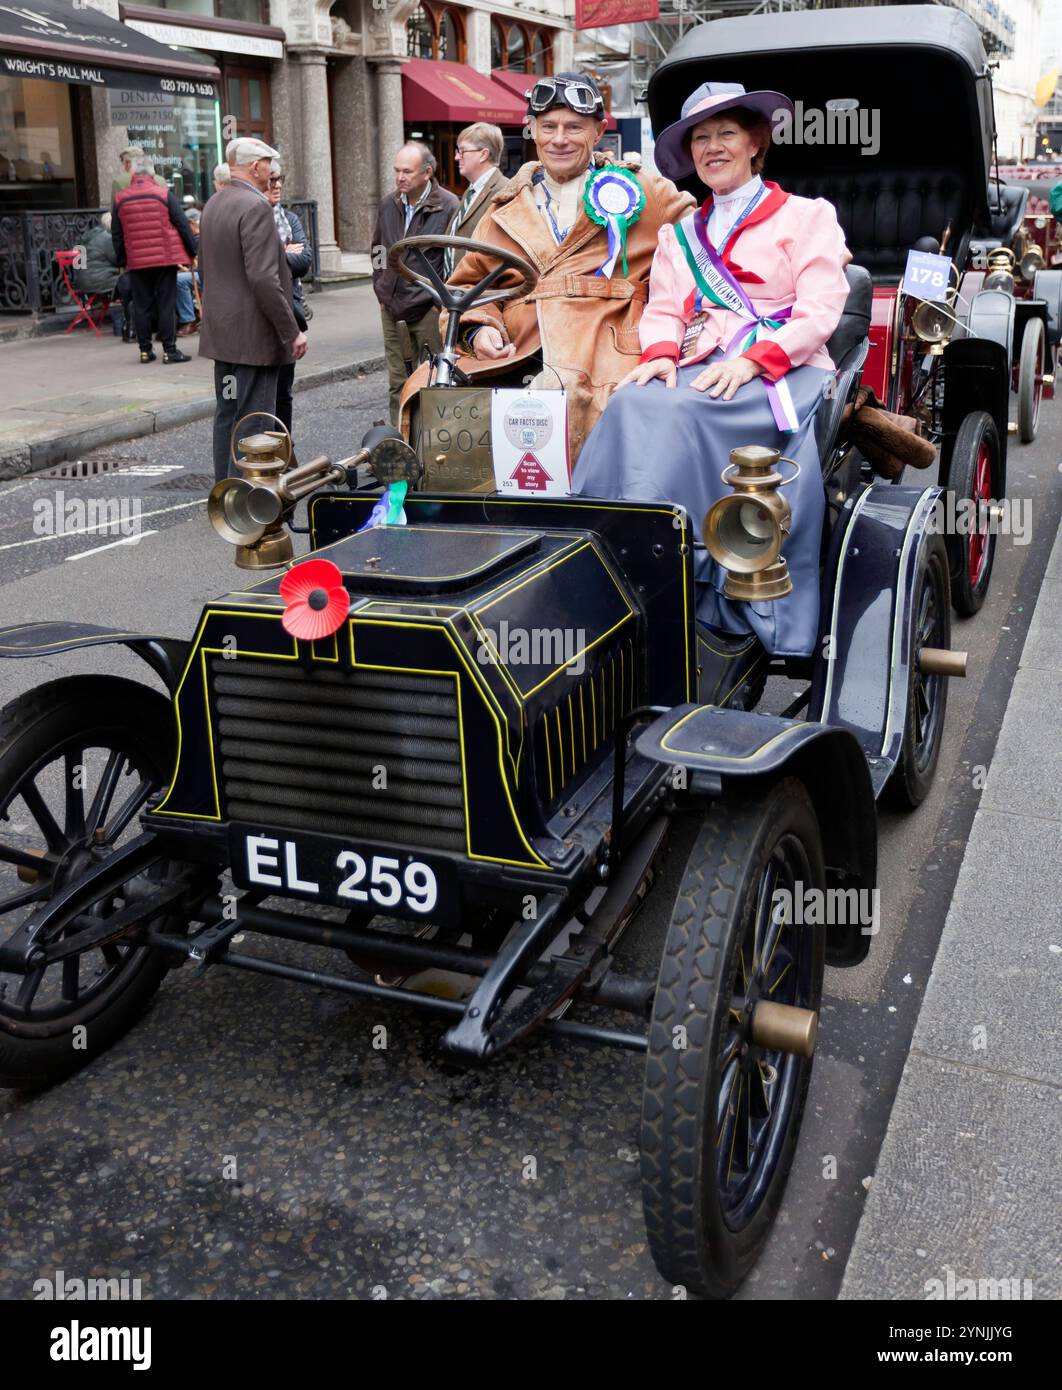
(577, 95)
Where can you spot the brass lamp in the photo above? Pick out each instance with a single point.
(745, 532)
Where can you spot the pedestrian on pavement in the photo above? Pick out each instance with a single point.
(419, 206)
(187, 313)
(300, 262)
(1055, 202)
(151, 238)
(99, 275)
(221, 177)
(125, 178)
(249, 327)
(479, 152)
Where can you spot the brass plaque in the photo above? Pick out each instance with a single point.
(455, 439)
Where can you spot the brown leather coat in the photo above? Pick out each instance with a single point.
(585, 325)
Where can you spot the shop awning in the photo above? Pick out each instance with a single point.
(520, 83)
(54, 41)
(455, 92)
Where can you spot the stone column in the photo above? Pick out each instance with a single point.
(317, 151)
(477, 32)
(354, 121)
(389, 122)
(563, 50)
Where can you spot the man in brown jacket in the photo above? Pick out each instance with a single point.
(581, 324)
(249, 327)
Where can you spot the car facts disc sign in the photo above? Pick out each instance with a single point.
(529, 443)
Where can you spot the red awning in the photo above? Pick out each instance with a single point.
(455, 92)
(521, 83)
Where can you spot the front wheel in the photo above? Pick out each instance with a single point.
(721, 1110)
(1030, 379)
(79, 759)
(929, 625)
(975, 478)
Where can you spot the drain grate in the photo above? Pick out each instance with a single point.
(186, 482)
(82, 468)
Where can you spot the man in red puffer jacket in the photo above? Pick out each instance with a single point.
(151, 238)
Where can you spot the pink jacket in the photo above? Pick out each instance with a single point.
(789, 251)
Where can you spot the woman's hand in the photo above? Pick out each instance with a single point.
(726, 377)
(296, 248)
(488, 343)
(648, 371)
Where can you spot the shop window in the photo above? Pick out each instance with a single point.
(449, 39)
(497, 45)
(516, 49)
(37, 159)
(178, 132)
(541, 56)
(420, 34)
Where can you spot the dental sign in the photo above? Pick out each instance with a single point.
(927, 276)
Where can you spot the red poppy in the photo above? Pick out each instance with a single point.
(316, 599)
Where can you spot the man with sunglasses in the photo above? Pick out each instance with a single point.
(581, 320)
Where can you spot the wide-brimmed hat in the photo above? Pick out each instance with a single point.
(670, 154)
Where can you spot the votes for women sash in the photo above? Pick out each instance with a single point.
(719, 287)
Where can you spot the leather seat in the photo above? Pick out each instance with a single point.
(883, 212)
(848, 347)
(1006, 206)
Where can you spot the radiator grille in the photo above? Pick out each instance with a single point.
(301, 750)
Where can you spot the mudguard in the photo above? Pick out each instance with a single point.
(165, 655)
(862, 671)
(977, 376)
(723, 748)
(992, 317)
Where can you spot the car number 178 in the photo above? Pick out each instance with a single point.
(376, 878)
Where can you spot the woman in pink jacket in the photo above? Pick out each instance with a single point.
(744, 293)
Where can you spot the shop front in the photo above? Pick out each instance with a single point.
(76, 86)
(440, 98)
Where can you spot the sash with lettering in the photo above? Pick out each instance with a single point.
(717, 285)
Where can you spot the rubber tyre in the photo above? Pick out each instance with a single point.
(913, 775)
(1030, 364)
(689, 1237)
(978, 428)
(105, 708)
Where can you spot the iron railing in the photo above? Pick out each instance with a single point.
(30, 280)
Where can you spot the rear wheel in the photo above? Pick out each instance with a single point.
(1030, 379)
(721, 1112)
(929, 625)
(975, 479)
(79, 759)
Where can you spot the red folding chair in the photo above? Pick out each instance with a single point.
(93, 307)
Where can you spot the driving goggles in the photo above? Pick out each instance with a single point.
(578, 96)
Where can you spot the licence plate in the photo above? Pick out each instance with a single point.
(388, 882)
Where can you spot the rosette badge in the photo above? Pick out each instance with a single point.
(614, 199)
(316, 599)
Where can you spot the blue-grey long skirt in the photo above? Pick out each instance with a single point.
(662, 445)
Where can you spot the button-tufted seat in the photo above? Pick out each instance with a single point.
(883, 212)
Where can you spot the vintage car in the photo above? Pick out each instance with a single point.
(352, 733)
(907, 166)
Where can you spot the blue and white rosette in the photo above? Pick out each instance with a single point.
(614, 199)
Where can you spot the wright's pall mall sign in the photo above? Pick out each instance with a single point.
(59, 41)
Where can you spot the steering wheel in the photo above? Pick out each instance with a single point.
(454, 298)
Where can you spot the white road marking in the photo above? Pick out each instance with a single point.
(103, 526)
(125, 540)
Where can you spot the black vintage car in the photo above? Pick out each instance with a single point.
(448, 805)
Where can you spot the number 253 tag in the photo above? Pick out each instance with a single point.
(926, 276)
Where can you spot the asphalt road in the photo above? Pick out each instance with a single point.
(247, 1140)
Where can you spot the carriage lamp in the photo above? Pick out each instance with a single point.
(1001, 264)
(1032, 262)
(934, 321)
(745, 532)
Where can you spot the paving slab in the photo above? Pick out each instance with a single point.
(1043, 646)
(966, 1182)
(1025, 777)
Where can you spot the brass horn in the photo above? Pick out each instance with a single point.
(250, 512)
